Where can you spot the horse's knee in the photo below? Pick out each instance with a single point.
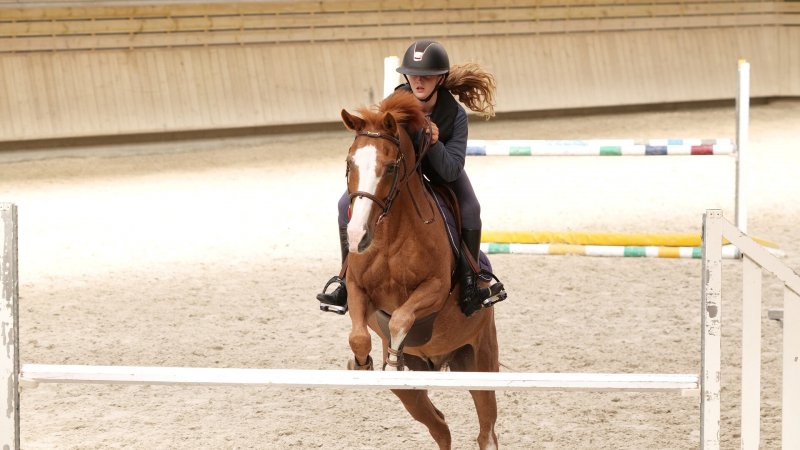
(360, 343)
(399, 325)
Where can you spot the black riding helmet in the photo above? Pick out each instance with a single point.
(425, 57)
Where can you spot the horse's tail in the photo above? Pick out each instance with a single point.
(474, 87)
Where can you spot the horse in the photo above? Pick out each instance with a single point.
(400, 269)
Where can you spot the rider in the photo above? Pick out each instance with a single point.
(426, 68)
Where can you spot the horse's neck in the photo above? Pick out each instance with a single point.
(414, 205)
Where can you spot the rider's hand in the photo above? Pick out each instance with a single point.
(434, 133)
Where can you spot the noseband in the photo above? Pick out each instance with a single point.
(386, 203)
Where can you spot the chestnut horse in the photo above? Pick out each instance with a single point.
(401, 267)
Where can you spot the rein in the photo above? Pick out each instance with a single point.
(386, 204)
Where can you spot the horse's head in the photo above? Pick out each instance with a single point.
(380, 159)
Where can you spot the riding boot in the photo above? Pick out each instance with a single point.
(336, 301)
(473, 297)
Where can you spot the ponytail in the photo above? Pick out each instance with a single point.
(473, 86)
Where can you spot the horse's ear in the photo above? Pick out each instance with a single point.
(389, 123)
(352, 122)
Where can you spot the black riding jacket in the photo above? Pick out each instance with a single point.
(445, 159)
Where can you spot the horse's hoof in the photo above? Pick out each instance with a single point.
(354, 365)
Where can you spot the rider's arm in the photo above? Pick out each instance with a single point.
(447, 158)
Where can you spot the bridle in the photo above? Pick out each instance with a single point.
(386, 203)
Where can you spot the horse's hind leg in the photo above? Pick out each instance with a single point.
(421, 408)
(486, 406)
(486, 360)
(483, 360)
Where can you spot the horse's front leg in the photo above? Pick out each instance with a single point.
(360, 340)
(422, 302)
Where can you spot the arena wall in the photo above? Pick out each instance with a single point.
(77, 69)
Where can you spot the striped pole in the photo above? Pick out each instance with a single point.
(600, 147)
(602, 238)
(728, 251)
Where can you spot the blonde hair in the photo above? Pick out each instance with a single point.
(473, 86)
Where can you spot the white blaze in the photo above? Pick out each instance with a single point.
(366, 160)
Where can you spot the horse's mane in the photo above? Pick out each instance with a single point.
(405, 108)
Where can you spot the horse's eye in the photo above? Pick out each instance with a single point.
(391, 168)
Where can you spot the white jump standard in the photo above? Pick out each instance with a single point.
(536, 242)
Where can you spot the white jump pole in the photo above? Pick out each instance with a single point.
(751, 353)
(751, 276)
(742, 135)
(34, 374)
(390, 76)
(9, 311)
(790, 432)
(710, 340)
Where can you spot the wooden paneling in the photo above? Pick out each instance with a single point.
(126, 25)
(117, 67)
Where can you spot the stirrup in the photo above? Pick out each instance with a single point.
(341, 310)
(331, 302)
(494, 294)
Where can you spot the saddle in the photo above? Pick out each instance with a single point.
(446, 201)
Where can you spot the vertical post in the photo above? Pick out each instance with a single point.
(9, 312)
(710, 340)
(751, 354)
(790, 436)
(742, 135)
(390, 75)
